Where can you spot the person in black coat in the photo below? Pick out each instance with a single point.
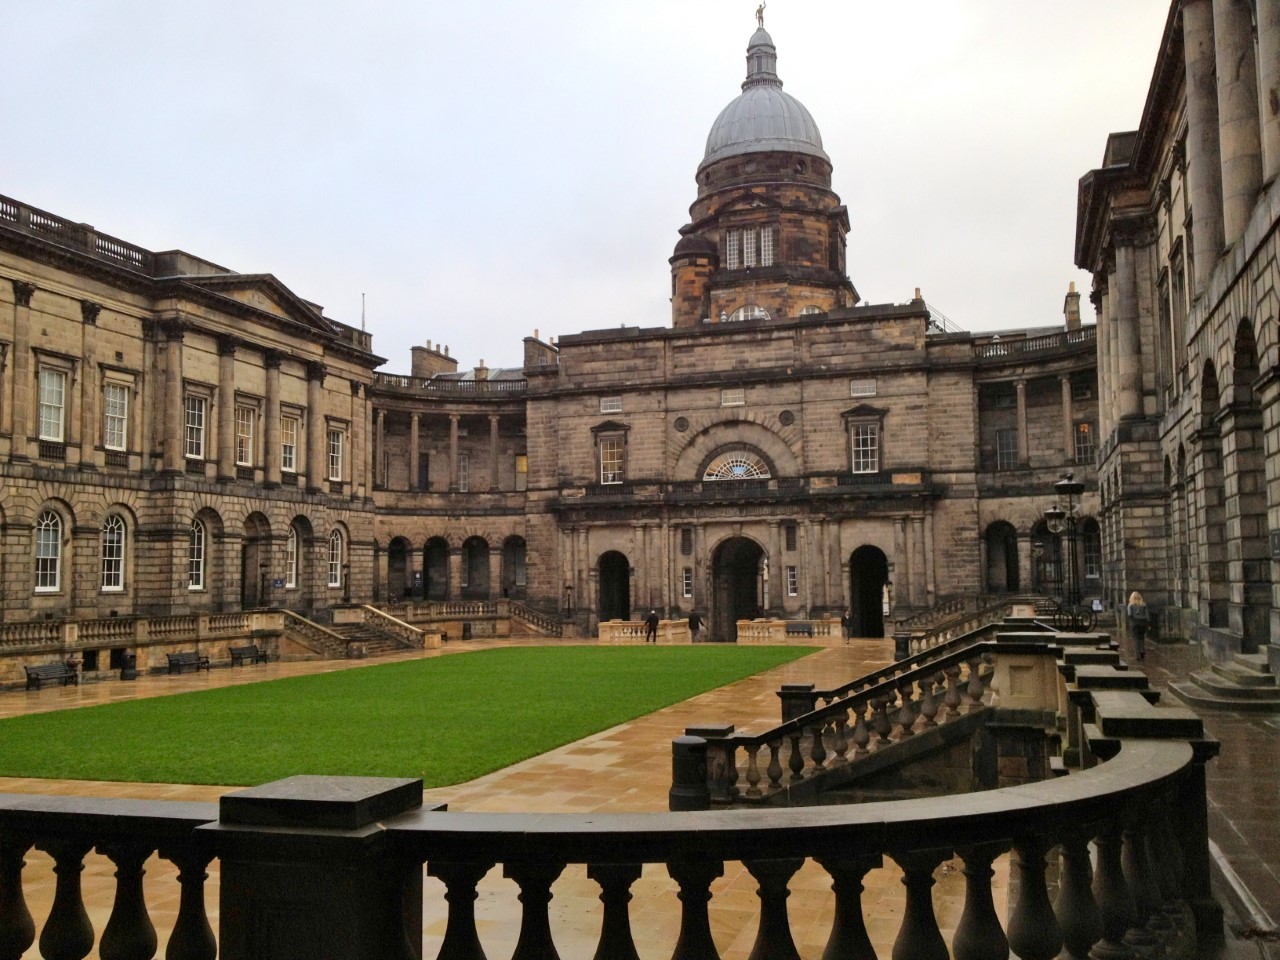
(651, 627)
(695, 625)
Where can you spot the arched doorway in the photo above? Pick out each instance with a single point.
(1002, 558)
(475, 569)
(397, 569)
(736, 573)
(1046, 561)
(615, 587)
(514, 571)
(255, 588)
(435, 569)
(868, 576)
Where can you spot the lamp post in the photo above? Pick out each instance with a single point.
(1061, 521)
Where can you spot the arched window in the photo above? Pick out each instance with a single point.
(113, 537)
(291, 559)
(737, 465)
(810, 309)
(335, 558)
(48, 552)
(750, 312)
(196, 552)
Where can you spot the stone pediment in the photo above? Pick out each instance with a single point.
(264, 292)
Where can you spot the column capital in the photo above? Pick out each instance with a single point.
(355, 388)
(1020, 384)
(1064, 377)
(272, 359)
(1133, 231)
(89, 312)
(227, 344)
(22, 292)
(173, 329)
(455, 417)
(316, 370)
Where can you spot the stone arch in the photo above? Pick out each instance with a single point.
(475, 568)
(727, 434)
(614, 595)
(868, 583)
(739, 584)
(255, 561)
(398, 582)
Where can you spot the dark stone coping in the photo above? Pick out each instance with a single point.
(1101, 677)
(1084, 658)
(1125, 714)
(711, 731)
(342, 803)
(158, 820)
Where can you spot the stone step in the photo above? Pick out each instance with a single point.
(1197, 697)
(1241, 676)
(1219, 687)
(1255, 662)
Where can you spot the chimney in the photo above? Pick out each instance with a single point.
(1071, 308)
(482, 372)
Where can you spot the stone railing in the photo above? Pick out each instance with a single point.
(1000, 347)
(333, 867)
(402, 631)
(444, 386)
(633, 631)
(782, 631)
(313, 636)
(78, 236)
(523, 613)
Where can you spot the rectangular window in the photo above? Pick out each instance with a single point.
(793, 581)
(732, 249)
(424, 472)
(53, 400)
(686, 541)
(686, 582)
(1081, 391)
(1092, 557)
(522, 472)
(766, 246)
(115, 416)
(195, 408)
(289, 444)
(865, 442)
(335, 454)
(748, 248)
(862, 388)
(244, 434)
(464, 473)
(1006, 449)
(611, 460)
(733, 397)
(791, 537)
(610, 404)
(1084, 442)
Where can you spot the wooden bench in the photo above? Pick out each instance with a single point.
(178, 662)
(250, 654)
(799, 628)
(61, 670)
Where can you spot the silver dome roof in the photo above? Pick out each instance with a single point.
(763, 117)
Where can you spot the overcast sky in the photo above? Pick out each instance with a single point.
(483, 169)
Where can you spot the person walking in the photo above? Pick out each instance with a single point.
(846, 624)
(651, 627)
(695, 625)
(1139, 620)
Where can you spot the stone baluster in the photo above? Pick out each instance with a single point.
(1034, 933)
(461, 941)
(818, 749)
(839, 737)
(849, 939)
(795, 762)
(975, 688)
(753, 770)
(773, 937)
(67, 933)
(929, 704)
(535, 880)
(192, 937)
(1077, 911)
(919, 937)
(907, 712)
(881, 722)
(129, 933)
(775, 764)
(1143, 888)
(1115, 903)
(615, 881)
(694, 879)
(17, 928)
(978, 935)
(952, 697)
(861, 735)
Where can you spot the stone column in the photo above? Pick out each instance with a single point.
(819, 571)
(359, 439)
(930, 574)
(586, 575)
(902, 562)
(22, 387)
(496, 573)
(918, 588)
(670, 599)
(367, 468)
(701, 578)
(89, 384)
(775, 560)
(414, 450)
(271, 360)
(1239, 134)
(453, 452)
(1268, 59)
(315, 426)
(1023, 453)
(1097, 298)
(1068, 427)
(174, 417)
(226, 408)
(805, 539)
(493, 453)
(380, 466)
(455, 573)
(1127, 341)
(1204, 164)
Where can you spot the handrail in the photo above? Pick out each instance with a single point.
(397, 628)
(328, 639)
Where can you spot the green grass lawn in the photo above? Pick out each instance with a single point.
(447, 719)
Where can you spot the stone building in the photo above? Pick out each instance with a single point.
(177, 436)
(1178, 227)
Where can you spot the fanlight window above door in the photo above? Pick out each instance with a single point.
(739, 465)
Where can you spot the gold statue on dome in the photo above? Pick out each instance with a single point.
(760, 13)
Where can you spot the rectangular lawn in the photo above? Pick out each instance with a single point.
(445, 719)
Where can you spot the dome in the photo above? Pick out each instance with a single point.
(763, 118)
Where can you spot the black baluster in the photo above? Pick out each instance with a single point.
(695, 878)
(17, 928)
(1077, 911)
(919, 937)
(1111, 894)
(461, 942)
(1143, 888)
(818, 753)
(753, 770)
(978, 935)
(774, 770)
(615, 881)
(129, 933)
(67, 933)
(849, 939)
(535, 880)
(192, 937)
(840, 738)
(796, 759)
(1034, 933)
(952, 698)
(773, 938)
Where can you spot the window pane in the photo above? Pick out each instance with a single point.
(113, 554)
(866, 447)
(335, 559)
(244, 436)
(48, 551)
(53, 391)
(195, 407)
(195, 557)
(766, 246)
(611, 464)
(115, 413)
(289, 444)
(1006, 449)
(335, 454)
(291, 559)
(464, 473)
(748, 248)
(733, 256)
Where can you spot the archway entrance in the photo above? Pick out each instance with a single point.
(253, 562)
(398, 569)
(475, 569)
(736, 572)
(615, 587)
(868, 575)
(435, 569)
(1002, 558)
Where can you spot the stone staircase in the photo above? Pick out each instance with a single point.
(1245, 684)
(375, 642)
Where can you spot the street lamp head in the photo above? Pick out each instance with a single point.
(1055, 519)
(1069, 487)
